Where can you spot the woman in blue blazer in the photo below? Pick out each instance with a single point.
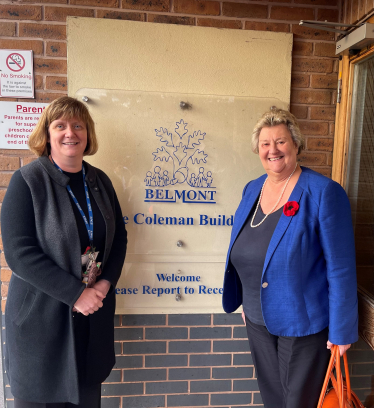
(291, 264)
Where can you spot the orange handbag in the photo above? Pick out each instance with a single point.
(340, 395)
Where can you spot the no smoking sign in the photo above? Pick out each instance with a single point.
(15, 62)
(16, 74)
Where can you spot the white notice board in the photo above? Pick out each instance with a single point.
(17, 121)
(16, 74)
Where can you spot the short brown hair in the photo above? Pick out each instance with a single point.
(67, 108)
(275, 117)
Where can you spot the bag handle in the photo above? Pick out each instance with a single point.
(347, 379)
(338, 381)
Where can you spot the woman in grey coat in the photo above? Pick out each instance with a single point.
(65, 241)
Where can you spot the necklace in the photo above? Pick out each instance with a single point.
(276, 204)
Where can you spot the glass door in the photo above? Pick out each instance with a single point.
(360, 170)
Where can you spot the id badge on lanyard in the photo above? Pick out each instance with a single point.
(92, 269)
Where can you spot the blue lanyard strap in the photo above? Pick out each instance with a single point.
(89, 225)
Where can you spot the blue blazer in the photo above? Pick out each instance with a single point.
(310, 263)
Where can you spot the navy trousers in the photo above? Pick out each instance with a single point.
(290, 370)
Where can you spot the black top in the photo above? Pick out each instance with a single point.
(77, 186)
(81, 322)
(248, 257)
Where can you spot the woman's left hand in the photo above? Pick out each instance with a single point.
(102, 286)
(342, 348)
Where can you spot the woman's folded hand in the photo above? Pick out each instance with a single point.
(90, 301)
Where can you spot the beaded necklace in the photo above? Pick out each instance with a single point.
(276, 204)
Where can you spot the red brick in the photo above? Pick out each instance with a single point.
(264, 26)
(7, 29)
(215, 22)
(50, 66)
(243, 10)
(45, 97)
(60, 13)
(5, 275)
(312, 34)
(312, 159)
(335, 66)
(28, 159)
(325, 81)
(55, 49)
(3, 303)
(45, 31)
(120, 15)
(95, 3)
(299, 81)
(328, 14)
(14, 12)
(302, 48)
(311, 97)
(168, 19)
(9, 163)
(35, 45)
(323, 144)
(322, 112)
(2, 195)
(314, 128)
(14, 152)
(204, 7)
(331, 128)
(333, 98)
(325, 171)
(38, 82)
(147, 5)
(329, 159)
(281, 1)
(4, 289)
(318, 2)
(301, 112)
(324, 49)
(57, 83)
(311, 65)
(5, 178)
(45, 1)
(291, 13)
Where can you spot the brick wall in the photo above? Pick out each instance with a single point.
(186, 360)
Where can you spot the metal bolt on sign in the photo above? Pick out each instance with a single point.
(185, 105)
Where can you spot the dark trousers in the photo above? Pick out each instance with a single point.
(90, 397)
(290, 370)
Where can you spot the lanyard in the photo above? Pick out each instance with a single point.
(89, 226)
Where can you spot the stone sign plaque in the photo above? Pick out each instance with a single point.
(179, 163)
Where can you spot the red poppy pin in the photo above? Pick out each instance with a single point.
(290, 208)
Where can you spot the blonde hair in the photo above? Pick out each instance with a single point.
(67, 108)
(275, 117)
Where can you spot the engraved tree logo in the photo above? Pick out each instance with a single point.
(182, 148)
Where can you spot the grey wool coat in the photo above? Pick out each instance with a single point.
(46, 282)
